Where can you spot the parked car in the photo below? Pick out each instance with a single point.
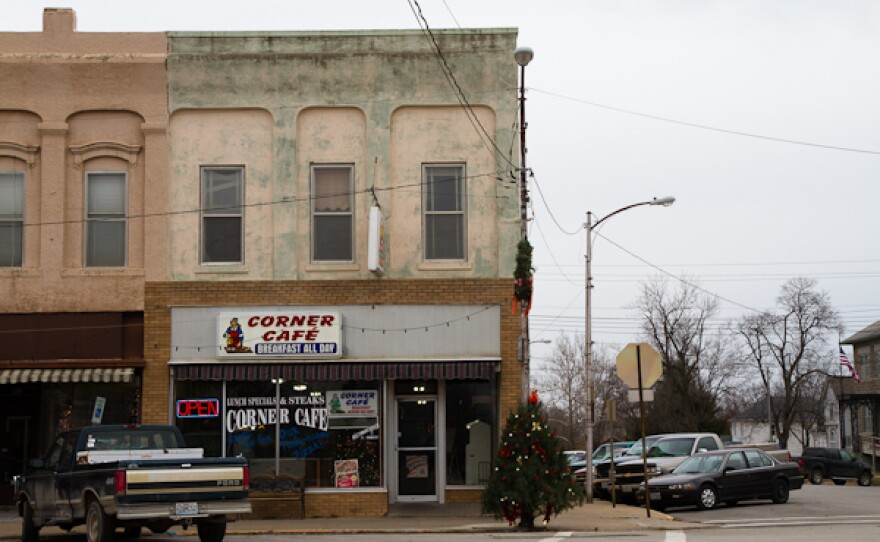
(576, 459)
(130, 477)
(708, 478)
(602, 469)
(603, 452)
(839, 465)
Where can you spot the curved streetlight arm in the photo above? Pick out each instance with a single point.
(665, 202)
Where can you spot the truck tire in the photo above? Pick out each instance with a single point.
(212, 530)
(29, 531)
(780, 492)
(816, 476)
(865, 478)
(99, 526)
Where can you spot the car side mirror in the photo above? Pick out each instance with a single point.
(37, 463)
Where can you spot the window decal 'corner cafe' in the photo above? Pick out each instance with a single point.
(279, 334)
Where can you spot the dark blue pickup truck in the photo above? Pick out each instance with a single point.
(130, 477)
(839, 465)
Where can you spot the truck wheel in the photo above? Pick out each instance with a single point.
(29, 531)
(865, 478)
(839, 482)
(212, 531)
(708, 498)
(780, 492)
(99, 526)
(816, 476)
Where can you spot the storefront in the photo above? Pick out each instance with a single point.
(397, 401)
(62, 371)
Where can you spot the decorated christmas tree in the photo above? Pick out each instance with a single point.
(530, 475)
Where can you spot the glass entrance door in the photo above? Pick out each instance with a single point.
(417, 449)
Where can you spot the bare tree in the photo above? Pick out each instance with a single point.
(698, 366)
(562, 378)
(788, 348)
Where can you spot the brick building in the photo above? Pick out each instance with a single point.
(295, 246)
(83, 163)
(341, 244)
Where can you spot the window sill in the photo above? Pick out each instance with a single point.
(222, 269)
(330, 266)
(446, 266)
(19, 272)
(102, 272)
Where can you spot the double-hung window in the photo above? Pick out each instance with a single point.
(222, 215)
(105, 219)
(332, 213)
(11, 218)
(444, 212)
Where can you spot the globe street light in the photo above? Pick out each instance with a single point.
(588, 324)
(523, 56)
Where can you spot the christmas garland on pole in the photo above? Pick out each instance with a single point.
(522, 289)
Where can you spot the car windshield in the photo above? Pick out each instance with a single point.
(676, 447)
(636, 448)
(575, 457)
(700, 464)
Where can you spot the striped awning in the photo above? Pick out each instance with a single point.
(24, 376)
(457, 370)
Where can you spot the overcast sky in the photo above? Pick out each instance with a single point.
(614, 92)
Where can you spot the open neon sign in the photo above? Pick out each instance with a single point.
(198, 408)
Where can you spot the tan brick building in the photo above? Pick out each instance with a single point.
(83, 168)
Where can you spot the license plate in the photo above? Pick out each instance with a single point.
(655, 495)
(186, 508)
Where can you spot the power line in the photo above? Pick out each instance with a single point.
(707, 127)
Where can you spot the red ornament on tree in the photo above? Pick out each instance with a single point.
(533, 397)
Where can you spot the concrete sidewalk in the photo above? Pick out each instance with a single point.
(599, 516)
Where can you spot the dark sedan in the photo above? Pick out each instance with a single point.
(728, 476)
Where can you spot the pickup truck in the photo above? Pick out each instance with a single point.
(129, 477)
(839, 465)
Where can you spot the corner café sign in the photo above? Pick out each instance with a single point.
(279, 334)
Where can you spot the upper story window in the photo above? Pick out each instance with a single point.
(222, 215)
(444, 212)
(332, 213)
(105, 219)
(11, 218)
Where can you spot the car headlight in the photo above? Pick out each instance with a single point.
(685, 486)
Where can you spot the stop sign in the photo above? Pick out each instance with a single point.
(627, 365)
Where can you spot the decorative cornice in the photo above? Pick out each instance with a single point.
(82, 153)
(22, 152)
(53, 128)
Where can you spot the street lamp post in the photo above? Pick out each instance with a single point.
(523, 56)
(588, 324)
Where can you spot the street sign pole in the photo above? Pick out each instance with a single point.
(642, 422)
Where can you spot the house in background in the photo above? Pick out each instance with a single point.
(860, 401)
(811, 427)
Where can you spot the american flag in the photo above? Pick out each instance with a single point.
(848, 364)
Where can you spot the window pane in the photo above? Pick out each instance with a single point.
(333, 190)
(105, 244)
(469, 417)
(444, 189)
(222, 191)
(10, 244)
(444, 237)
(106, 193)
(333, 238)
(11, 195)
(222, 239)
